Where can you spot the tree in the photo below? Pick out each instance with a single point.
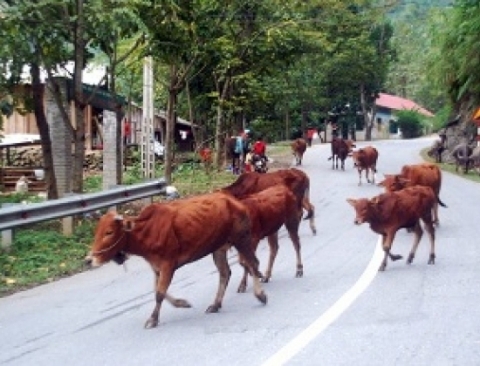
(457, 68)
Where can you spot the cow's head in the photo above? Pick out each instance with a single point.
(362, 209)
(110, 240)
(350, 145)
(393, 182)
(356, 155)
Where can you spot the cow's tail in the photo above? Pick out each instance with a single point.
(440, 202)
(307, 205)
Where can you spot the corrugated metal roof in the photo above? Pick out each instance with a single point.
(399, 103)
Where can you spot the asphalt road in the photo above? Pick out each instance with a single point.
(342, 312)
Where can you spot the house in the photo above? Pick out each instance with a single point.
(387, 105)
(99, 100)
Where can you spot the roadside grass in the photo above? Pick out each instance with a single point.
(40, 253)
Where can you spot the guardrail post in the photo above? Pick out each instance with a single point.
(68, 222)
(113, 186)
(7, 235)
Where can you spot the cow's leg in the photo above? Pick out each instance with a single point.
(387, 240)
(359, 177)
(431, 235)
(251, 262)
(436, 221)
(163, 282)
(273, 245)
(292, 228)
(242, 287)
(221, 262)
(418, 232)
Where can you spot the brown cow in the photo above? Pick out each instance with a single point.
(299, 146)
(296, 180)
(425, 174)
(269, 210)
(389, 212)
(340, 150)
(170, 235)
(365, 159)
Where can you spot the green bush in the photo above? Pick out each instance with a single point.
(410, 123)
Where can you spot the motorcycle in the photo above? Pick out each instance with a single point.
(259, 163)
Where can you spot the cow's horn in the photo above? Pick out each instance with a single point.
(118, 218)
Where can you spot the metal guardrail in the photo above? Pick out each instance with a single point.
(20, 215)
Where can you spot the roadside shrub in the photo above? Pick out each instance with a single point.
(410, 123)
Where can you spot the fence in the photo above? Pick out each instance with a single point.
(67, 207)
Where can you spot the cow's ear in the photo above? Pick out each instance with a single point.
(375, 200)
(351, 201)
(128, 225)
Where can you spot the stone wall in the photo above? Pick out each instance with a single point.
(32, 157)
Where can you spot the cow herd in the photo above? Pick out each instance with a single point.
(171, 234)
(410, 198)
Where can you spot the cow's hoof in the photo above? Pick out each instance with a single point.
(265, 279)
(382, 268)
(213, 308)
(242, 289)
(151, 323)
(299, 274)
(431, 260)
(181, 303)
(262, 297)
(410, 259)
(395, 257)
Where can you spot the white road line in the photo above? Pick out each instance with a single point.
(328, 317)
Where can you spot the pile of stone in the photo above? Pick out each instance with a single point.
(32, 157)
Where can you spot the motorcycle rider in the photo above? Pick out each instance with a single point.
(259, 155)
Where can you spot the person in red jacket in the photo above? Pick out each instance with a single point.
(260, 147)
(259, 150)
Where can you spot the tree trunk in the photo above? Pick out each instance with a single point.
(79, 134)
(44, 131)
(287, 124)
(220, 132)
(368, 114)
(171, 119)
(218, 137)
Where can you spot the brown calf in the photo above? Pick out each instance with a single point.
(299, 146)
(389, 212)
(425, 174)
(269, 210)
(173, 234)
(365, 159)
(296, 180)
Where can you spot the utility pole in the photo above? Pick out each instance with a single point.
(147, 154)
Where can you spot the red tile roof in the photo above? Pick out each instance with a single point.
(398, 103)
